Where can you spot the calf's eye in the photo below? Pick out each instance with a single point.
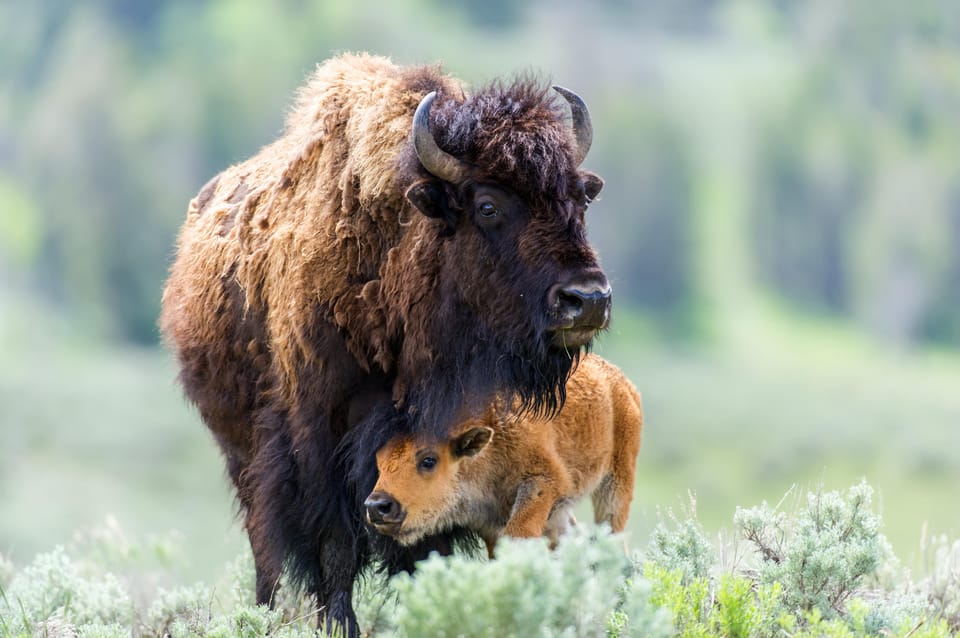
(427, 463)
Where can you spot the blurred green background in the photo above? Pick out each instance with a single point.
(781, 225)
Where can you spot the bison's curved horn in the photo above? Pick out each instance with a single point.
(582, 128)
(437, 161)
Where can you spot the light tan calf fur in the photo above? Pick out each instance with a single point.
(519, 476)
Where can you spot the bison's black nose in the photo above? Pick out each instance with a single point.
(582, 305)
(383, 509)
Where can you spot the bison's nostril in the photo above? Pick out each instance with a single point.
(569, 305)
(586, 307)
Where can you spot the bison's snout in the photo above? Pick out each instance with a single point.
(585, 308)
(581, 309)
(384, 512)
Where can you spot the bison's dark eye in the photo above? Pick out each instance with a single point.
(427, 463)
(487, 209)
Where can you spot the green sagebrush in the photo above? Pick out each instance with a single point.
(587, 587)
(941, 586)
(55, 593)
(815, 573)
(823, 552)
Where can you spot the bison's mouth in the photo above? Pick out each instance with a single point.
(403, 534)
(571, 334)
(572, 338)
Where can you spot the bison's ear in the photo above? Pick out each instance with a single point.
(592, 184)
(430, 198)
(472, 441)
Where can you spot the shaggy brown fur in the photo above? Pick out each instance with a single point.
(330, 283)
(504, 473)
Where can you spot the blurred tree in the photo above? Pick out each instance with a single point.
(851, 212)
(494, 14)
(20, 227)
(942, 322)
(811, 175)
(113, 132)
(113, 114)
(644, 235)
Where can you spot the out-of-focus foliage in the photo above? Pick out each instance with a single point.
(942, 582)
(587, 587)
(806, 152)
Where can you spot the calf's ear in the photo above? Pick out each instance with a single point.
(472, 441)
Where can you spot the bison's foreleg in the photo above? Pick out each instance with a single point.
(268, 567)
(258, 490)
(267, 562)
(335, 595)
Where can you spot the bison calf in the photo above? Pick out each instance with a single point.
(509, 474)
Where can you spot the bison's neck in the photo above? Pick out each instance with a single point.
(454, 359)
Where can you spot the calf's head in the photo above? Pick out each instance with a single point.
(420, 486)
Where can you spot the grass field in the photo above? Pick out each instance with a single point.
(799, 407)
(88, 433)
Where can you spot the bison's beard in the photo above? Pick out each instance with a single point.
(476, 361)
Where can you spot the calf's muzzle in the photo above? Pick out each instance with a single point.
(383, 510)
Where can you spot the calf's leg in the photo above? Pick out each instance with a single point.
(531, 509)
(560, 522)
(611, 499)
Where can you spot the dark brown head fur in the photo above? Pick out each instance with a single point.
(495, 274)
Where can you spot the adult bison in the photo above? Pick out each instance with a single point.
(403, 252)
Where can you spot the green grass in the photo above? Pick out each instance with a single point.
(90, 433)
(794, 403)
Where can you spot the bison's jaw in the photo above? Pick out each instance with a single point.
(409, 537)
